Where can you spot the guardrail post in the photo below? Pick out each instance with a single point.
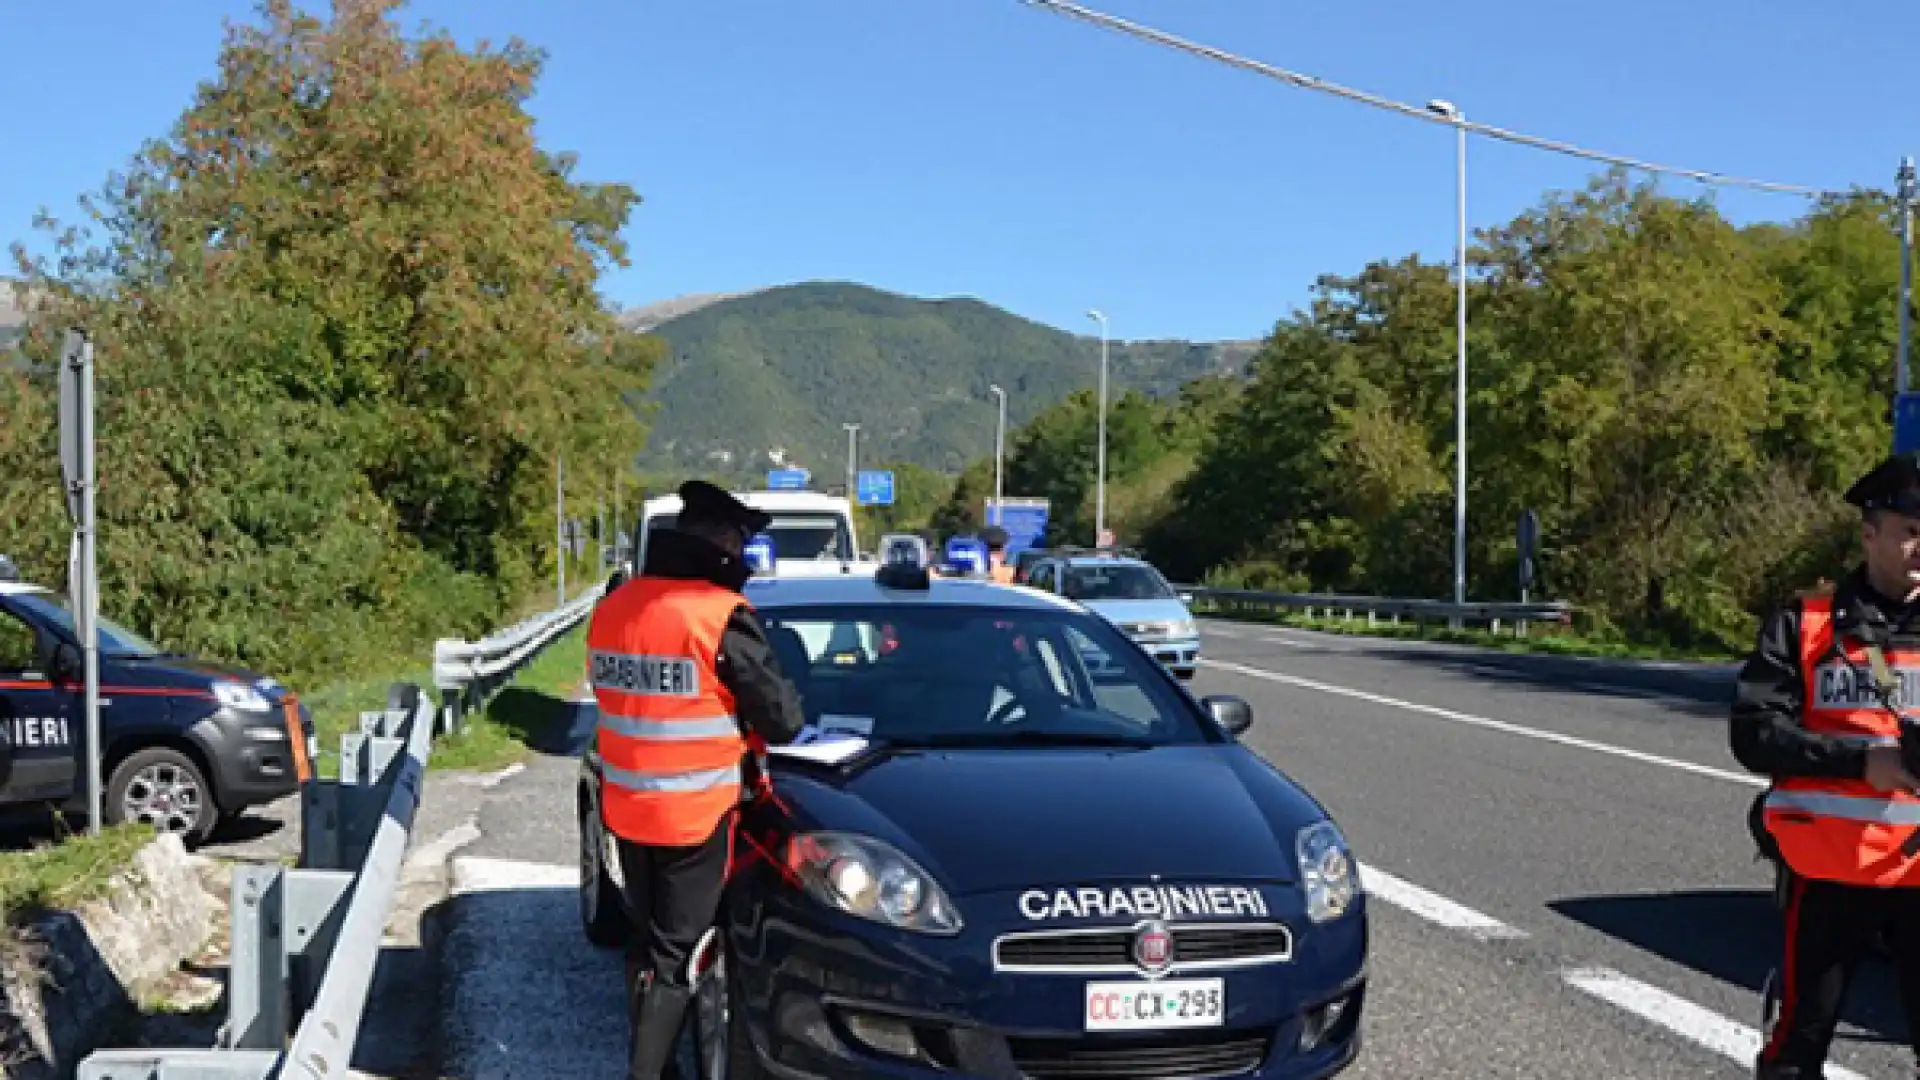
(257, 1006)
(320, 823)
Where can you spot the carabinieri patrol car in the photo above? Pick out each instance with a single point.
(189, 743)
(987, 857)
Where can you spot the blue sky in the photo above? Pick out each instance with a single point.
(991, 149)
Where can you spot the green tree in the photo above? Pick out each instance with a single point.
(347, 318)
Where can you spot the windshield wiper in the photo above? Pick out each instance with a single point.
(1028, 737)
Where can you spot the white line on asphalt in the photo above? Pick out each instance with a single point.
(1494, 725)
(1433, 907)
(1680, 1016)
(494, 779)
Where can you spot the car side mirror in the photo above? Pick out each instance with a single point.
(1230, 712)
(67, 663)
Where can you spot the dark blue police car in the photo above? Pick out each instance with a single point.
(995, 859)
(187, 743)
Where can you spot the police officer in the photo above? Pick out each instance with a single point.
(682, 671)
(996, 541)
(1818, 709)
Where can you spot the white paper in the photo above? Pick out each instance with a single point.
(832, 724)
(824, 744)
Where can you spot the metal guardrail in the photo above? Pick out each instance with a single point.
(467, 673)
(304, 940)
(1377, 608)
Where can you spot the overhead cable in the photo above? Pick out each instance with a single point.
(1309, 82)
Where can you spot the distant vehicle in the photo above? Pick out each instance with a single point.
(989, 860)
(813, 535)
(1129, 592)
(1023, 562)
(188, 743)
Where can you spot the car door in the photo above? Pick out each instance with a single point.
(37, 751)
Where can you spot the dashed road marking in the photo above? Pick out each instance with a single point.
(1680, 1016)
(1744, 779)
(1433, 907)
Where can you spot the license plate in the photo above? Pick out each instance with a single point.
(1154, 1006)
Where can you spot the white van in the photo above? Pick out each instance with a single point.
(813, 534)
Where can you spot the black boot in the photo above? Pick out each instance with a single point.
(656, 1014)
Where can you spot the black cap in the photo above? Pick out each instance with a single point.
(703, 503)
(1894, 485)
(995, 537)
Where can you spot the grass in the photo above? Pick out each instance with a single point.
(1549, 640)
(517, 718)
(68, 872)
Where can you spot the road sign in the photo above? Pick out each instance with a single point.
(1906, 423)
(1527, 535)
(759, 554)
(788, 480)
(875, 488)
(1024, 519)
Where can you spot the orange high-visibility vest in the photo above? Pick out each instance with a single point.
(1844, 830)
(669, 739)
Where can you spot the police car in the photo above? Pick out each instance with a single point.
(987, 859)
(1131, 593)
(188, 743)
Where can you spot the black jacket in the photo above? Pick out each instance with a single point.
(767, 702)
(1766, 732)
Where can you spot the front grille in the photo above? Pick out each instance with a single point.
(1195, 946)
(1211, 1054)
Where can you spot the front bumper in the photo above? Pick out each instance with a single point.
(827, 996)
(1178, 654)
(254, 760)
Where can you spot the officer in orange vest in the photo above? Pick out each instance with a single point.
(683, 673)
(1819, 710)
(995, 538)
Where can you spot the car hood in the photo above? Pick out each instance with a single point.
(988, 820)
(1132, 611)
(814, 568)
(186, 671)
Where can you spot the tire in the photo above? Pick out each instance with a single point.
(167, 789)
(603, 911)
(742, 1061)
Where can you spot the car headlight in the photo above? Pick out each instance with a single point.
(241, 696)
(1327, 871)
(1182, 628)
(872, 879)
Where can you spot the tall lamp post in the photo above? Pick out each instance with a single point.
(1905, 182)
(999, 454)
(1100, 483)
(853, 460)
(1451, 112)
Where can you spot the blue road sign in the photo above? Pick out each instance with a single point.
(759, 554)
(1906, 423)
(1024, 519)
(966, 554)
(788, 480)
(875, 488)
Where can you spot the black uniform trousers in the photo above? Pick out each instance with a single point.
(1830, 929)
(673, 894)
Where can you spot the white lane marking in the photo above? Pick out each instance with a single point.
(527, 997)
(1433, 907)
(1494, 725)
(494, 779)
(1303, 646)
(436, 851)
(1209, 628)
(1680, 1016)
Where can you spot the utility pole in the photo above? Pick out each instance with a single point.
(1905, 184)
(853, 461)
(1452, 112)
(1100, 481)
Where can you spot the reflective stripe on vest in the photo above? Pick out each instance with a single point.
(668, 738)
(1838, 829)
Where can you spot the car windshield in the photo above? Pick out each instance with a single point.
(794, 536)
(115, 640)
(956, 676)
(1121, 581)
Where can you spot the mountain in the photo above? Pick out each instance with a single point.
(772, 375)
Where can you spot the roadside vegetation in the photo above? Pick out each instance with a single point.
(68, 872)
(1679, 399)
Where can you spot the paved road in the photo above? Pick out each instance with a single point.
(1557, 850)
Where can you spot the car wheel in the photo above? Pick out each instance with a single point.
(603, 912)
(741, 1060)
(164, 788)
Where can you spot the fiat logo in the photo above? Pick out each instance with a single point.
(1153, 948)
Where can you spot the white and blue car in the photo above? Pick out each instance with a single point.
(1130, 593)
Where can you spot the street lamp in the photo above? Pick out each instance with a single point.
(1100, 484)
(853, 432)
(999, 454)
(1448, 110)
(1904, 180)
